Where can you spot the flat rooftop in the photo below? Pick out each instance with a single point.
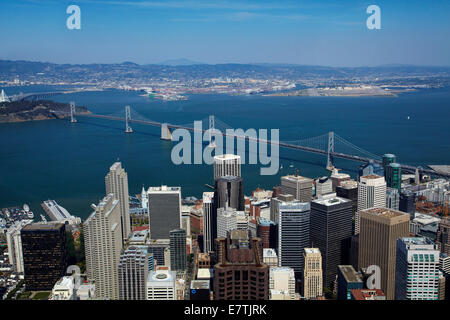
(372, 176)
(331, 201)
(269, 253)
(349, 273)
(296, 178)
(312, 250)
(43, 226)
(384, 212)
(417, 240)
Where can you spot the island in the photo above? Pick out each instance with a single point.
(25, 110)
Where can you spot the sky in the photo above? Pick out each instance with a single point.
(314, 32)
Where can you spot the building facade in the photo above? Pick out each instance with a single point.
(44, 255)
(116, 182)
(103, 245)
(371, 194)
(133, 272)
(298, 186)
(178, 256)
(312, 274)
(227, 165)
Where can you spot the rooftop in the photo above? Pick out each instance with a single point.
(372, 176)
(228, 156)
(349, 273)
(269, 253)
(43, 227)
(331, 201)
(384, 212)
(200, 284)
(312, 250)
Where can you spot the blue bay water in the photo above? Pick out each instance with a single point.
(54, 159)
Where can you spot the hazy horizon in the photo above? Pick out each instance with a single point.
(313, 33)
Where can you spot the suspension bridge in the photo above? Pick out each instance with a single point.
(330, 144)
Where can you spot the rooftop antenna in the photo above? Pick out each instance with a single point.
(296, 172)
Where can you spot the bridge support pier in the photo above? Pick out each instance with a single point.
(72, 112)
(330, 160)
(128, 129)
(212, 143)
(165, 132)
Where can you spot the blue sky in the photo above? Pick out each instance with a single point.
(314, 32)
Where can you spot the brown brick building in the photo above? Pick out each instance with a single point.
(240, 273)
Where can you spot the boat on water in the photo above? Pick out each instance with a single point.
(291, 166)
(28, 212)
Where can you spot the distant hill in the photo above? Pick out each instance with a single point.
(179, 62)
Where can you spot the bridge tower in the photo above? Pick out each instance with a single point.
(330, 160)
(212, 143)
(128, 129)
(72, 112)
(165, 132)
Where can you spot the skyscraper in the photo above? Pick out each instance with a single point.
(298, 186)
(209, 221)
(331, 232)
(240, 273)
(407, 203)
(226, 221)
(161, 285)
(380, 229)
(371, 194)
(178, 250)
(116, 182)
(227, 165)
(103, 245)
(323, 186)
(394, 176)
(417, 269)
(349, 190)
(293, 234)
(312, 274)
(229, 191)
(388, 158)
(133, 272)
(443, 236)
(392, 198)
(164, 208)
(44, 255)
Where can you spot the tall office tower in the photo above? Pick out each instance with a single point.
(323, 186)
(275, 205)
(116, 182)
(164, 208)
(229, 191)
(348, 279)
(371, 194)
(226, 221)
(394, 176)
(380, 229)
(44, 255)
(443, 236)
(160, 248)
(267, 231)
(388, 158)
(178, 254)
(281, 283)
(392, 198)
(293, 234)
(161, 285)
(103, 245)
(300, 187)
(370, 168)
(209, 221)
(349, 190)
(331, 232)
(312, 274)
(227, 165)
(407, 203)
(417, 269)
(14, 241)
(133, 272)
(337, 178)
(240, 273)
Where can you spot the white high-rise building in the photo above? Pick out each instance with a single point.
(14, 241)
(116, 182)
(417, 269)
(161, 285)
(103, 245)
(282, 283)
(227, 165)
(298, 186)
(324, 186)
(371, 194)
(312, 275)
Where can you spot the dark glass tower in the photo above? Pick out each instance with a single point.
(229, 189)
(393, 176)
(44, 255)
(331, 232)
(178, 250)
